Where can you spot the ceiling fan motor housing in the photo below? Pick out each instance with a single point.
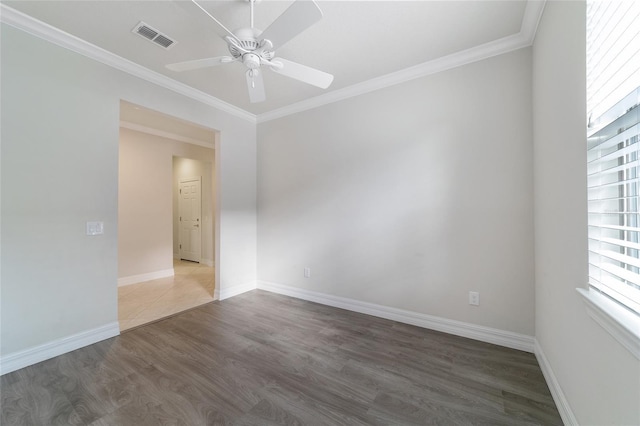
(248, 40)
(248, 48)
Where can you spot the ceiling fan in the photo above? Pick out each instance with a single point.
(256, 49)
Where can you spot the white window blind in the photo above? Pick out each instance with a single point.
(613, 169)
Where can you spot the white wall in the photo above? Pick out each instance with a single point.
(144, 205)
(59, 163)
(408, 197)
(184, 168)
(147, 199)
(600, 379)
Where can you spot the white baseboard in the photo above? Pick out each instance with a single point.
(27, 357)
(207, 262)
(134, 279)
(226, 293)
(568, 418)
(485, 334)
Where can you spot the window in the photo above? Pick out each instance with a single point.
(613, 98)
(613, 157)
(613, 194)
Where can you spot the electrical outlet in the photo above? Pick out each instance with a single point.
(474, 298)
(307, 272)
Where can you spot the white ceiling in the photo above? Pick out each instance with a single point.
(355, 41)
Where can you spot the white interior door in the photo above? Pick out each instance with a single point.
(190, 223)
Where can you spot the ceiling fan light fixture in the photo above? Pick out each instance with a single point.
(251, 60)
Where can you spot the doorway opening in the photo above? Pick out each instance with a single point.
(163, 267)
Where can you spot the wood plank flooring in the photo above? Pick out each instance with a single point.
(265, 359)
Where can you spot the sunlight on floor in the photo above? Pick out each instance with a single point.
(141, 303)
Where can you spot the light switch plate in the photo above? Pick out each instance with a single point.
(95, 228)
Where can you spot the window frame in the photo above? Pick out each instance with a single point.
(611, 294)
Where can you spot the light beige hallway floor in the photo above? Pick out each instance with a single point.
(141, 303)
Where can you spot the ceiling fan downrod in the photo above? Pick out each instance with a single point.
(252, 2)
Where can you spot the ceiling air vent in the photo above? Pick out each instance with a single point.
(153, 35)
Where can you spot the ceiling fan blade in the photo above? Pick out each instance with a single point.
(297, 18)
(301, 72)
(199, 63)
(255, 84)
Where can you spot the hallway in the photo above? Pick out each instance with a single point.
(142, 303)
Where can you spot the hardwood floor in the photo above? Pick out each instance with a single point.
(265, 359)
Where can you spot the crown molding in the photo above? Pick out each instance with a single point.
(531, 19)
(163, 134)
(56, 36)
(532, 14)
(487, 50)
(524, 38)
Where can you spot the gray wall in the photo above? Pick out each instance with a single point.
(59, 165)
(408, 197)
(600, 379)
